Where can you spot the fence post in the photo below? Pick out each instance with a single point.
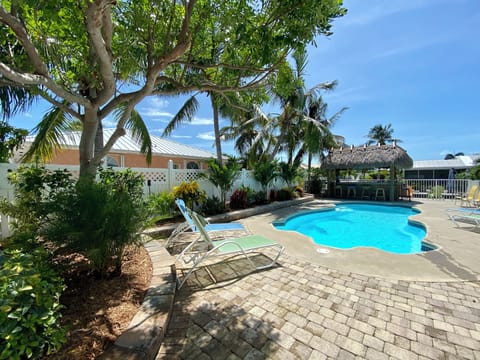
(170, 174)
(5, 226)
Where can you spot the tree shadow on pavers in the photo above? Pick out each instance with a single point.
(220, 320)
(447, 264)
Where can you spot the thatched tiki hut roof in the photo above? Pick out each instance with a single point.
(367, 157)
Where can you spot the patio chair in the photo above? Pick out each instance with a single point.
(470, 197)
(464, 215)
(204, 247)
(190, 225)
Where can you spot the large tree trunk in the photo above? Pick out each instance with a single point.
(87, 144)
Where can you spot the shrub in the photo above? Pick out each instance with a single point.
(260, 197)
(212, 206)
(436, 192)
(104, 218)
(284, 194)
(298, 191)
(265, 172)
(222, 175)
(29, 303)
(39, 193)
(96, 219)
(239, 199)
(162, 205)
(190, 193)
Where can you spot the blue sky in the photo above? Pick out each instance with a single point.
(413, 64)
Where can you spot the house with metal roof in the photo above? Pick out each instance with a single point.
(126, 152)
(439, 169)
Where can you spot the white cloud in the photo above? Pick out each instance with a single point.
(157, 102)
(181, 136)
(207, 136)
(201, 121)
(153, 112)
(159, 130)
(154, 106)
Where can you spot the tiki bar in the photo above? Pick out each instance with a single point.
(364, 158)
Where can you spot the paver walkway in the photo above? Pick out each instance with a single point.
(304, 311)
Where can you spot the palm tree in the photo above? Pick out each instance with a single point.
(265, 172)
(303, 124)
(381, 135)
(251, 130)
(316, 133)
(222, 175)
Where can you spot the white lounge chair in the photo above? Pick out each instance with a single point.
(464, 215)
(204, 247)
(189, 225)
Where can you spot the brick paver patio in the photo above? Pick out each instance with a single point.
(304, 311)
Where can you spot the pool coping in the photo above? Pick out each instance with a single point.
(453, 260)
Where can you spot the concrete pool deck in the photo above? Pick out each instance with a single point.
(456, 259)
(360, 304)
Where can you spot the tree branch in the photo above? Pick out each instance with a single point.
(62, 106)
(33, 79)
(182, 46)
(220, 65)
(99, 29)
(21, 34)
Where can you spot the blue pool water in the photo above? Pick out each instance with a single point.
(352, 225)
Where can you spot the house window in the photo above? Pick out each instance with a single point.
(111, 161)
(192, 165)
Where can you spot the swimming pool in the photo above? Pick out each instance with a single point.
(361, 225)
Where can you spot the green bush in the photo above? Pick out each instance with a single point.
(29, 303)
(212, 206)
(436, 192)
(260, 197)
(162, 205)
(239, 199)
(284, 194)
(190, 193)
(39, 194)
(102, 219)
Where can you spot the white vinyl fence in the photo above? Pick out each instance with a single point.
(156, 181)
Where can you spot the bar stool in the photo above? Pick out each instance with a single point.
(338, 191)
(365, 193)
(351, 190)
(380, 193)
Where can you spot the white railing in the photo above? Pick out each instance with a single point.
(439, 188)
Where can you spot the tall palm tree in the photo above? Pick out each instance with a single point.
(251, 131)
(381, 135)
(318, 138)
(303, 123)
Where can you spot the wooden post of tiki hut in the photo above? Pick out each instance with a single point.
(368, 157)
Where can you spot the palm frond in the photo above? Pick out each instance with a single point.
(185, 114)
(140, 133)
(14, 100)
(50, 135)
(329, 85)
